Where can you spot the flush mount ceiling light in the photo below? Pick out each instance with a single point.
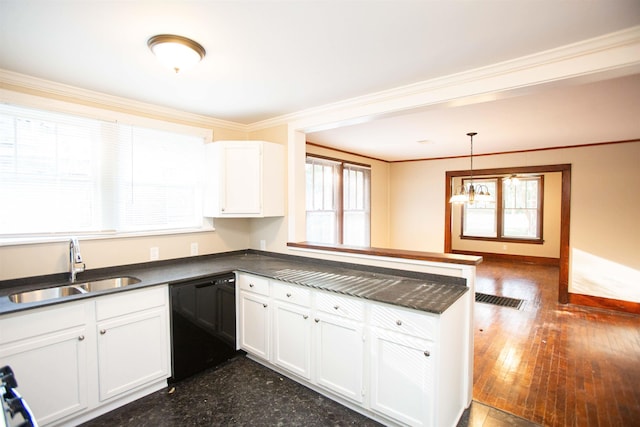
(176, 52)
(470, 193)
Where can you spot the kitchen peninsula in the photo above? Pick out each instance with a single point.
(392, 344)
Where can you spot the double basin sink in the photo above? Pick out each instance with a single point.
(73, 289)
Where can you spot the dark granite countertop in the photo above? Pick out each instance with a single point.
(421, 291)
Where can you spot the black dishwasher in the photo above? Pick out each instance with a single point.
(203, 324)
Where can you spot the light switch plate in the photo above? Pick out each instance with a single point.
(154, 253)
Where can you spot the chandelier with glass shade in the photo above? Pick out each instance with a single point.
(469, 193)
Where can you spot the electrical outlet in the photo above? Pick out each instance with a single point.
(154, 253)
(194, 248)
(263, 245)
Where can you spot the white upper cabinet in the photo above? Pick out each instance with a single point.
(244, 179)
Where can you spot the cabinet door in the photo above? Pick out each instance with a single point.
(52, 372)
(292, 339)
(132, 350)
(402, 377)
(339, 355)
(242, 182)
(254, 324)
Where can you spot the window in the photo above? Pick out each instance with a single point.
(61, 173)
(479, 219)
(337, 202)
(515, 213)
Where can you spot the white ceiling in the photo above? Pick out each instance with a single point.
(266, 59)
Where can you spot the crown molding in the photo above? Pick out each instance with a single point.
(616, 53)
(33, 85)
(613, 54)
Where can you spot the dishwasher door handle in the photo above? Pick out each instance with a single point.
(205, 285)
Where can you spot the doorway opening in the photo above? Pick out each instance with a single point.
(565, 208)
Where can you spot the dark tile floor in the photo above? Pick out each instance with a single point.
(244, 393)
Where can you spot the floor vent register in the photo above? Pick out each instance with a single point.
(500, 301)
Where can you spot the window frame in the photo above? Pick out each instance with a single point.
(339, 194)
(500, 212)
(73, 114)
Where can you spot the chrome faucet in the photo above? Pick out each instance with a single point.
(75, 259)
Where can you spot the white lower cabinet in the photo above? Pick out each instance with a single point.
(67, 367)
(47, 350)
(292, 339)
(385, 361)
(339, 345)
(254, 315)
(339, 352)
(254, 324)
(292, 328)
(401, 377)
(132, 341)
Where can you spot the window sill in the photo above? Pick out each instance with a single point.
(505, 240)
(64, 237)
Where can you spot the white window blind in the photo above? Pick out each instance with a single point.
(479, 217)
(62, 173)
(521, 212)
(356, 205)
(322, 200)
(338, 202)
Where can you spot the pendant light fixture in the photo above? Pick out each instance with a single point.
(176, 52)
(470, 193)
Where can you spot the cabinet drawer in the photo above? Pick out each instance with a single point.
(27, 324)
(256, 284)
(130, 302)
(404, 321)
(340, 306)
(291, 293)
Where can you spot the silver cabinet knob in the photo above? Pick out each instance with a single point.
(426, 353)
(103, 331)
(288, 295)
(399, 322)
(336, 307)
(251, 285)
(81, 338)
(264, 305)
(317, 320)
(305, 317)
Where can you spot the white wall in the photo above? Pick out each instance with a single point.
(604, 208)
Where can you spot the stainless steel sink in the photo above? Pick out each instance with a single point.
(45, 294)
(73, 289)
(104, 284)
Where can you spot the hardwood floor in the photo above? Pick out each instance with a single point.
(554, 364)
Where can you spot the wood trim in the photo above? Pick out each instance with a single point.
(392, 253)
(565, 226)
(513, 258)
(499, 153)
(606, 303)
(565, 213)
(335, 159)
(343, 151)
(448, 184)
(340, 203)
(503, 239)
